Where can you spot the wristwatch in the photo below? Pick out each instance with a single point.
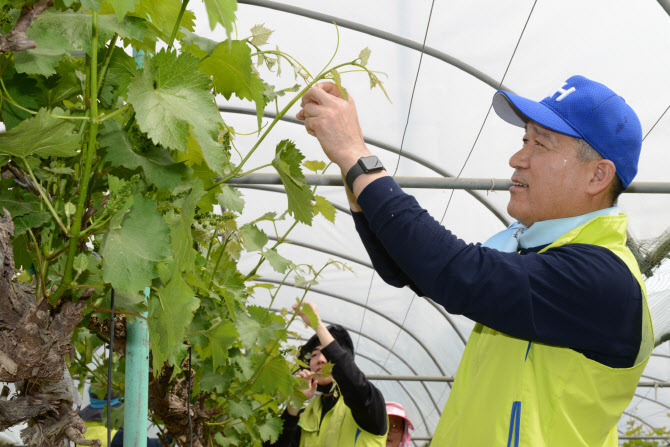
(364, 165)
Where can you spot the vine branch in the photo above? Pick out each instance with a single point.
(16, 39)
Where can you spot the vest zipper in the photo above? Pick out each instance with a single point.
(514, 424)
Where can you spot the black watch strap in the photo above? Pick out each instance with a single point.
(364, 165)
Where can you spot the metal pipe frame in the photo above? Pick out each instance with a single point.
(419, 160)
(496, 85)
(323, 250)
(485, 184)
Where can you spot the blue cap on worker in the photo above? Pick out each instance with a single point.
(585, 109)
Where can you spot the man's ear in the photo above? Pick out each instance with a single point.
(602, 174)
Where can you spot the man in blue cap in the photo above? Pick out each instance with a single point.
(563, 329)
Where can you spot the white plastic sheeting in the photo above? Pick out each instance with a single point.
(531, 47)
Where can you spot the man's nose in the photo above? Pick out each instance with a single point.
(519, 159)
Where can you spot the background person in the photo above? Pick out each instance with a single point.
(345, 408)
(399, 426)
(563, 331)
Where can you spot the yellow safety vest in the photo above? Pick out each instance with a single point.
(338, 428)
(97, 430)
(509, 392)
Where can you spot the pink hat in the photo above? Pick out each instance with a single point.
(395, 409)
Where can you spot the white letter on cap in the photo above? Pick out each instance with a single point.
(564, 92)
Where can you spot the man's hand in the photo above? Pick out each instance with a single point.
(334, 122)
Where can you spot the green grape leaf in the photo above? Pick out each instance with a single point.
(80, 262)
(41, 135)
(170, 313)
(271, 94)
(243, 364)
(50, 48)
(212, 381)
(90, 5)
(327, 369)
(231, 199)
(313, 319)
(270, 429)
(56, 33)
(182, 238)
(169, 96)
(260, 35)
(230, 67)
(22, 89)
(127, 301)
(157, 164)
(275, 376)
(242, 409)
(324, 207)
(223, 12)
(287, 163)
(338, 82)
(32, 220)
(22, 257)
(364, 55)
(269, 216)
(277, 262)
(221, 338)
(162, 15)
(254, 238)
(249, 330)
(198, 45)
(204, 142)
(122, 7)
(314, 165)
(131, 252)
(30, 204)
(124, 69)
(226, 441)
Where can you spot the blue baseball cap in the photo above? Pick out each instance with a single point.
(585, 109)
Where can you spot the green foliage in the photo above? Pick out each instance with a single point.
(231, 70)
(172, 98)
(147, 190)
(41, 135)
(287, 163)
(223, 12)
(636, 428)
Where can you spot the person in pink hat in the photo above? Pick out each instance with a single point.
(399, 426)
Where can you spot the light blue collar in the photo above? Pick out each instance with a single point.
(543, 232)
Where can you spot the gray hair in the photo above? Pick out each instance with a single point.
(586, 153)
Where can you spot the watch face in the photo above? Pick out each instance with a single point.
(371, 163)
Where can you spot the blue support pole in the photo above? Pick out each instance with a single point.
(135, 415)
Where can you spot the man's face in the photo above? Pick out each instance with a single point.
(316, 362)
(549, 179)
(396, 430)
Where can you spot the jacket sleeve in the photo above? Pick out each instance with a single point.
(365, 401)
(383, 264)
(578, 296)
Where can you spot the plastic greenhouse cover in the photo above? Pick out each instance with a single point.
(442, 114)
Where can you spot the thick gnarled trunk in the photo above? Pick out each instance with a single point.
(34, 342)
